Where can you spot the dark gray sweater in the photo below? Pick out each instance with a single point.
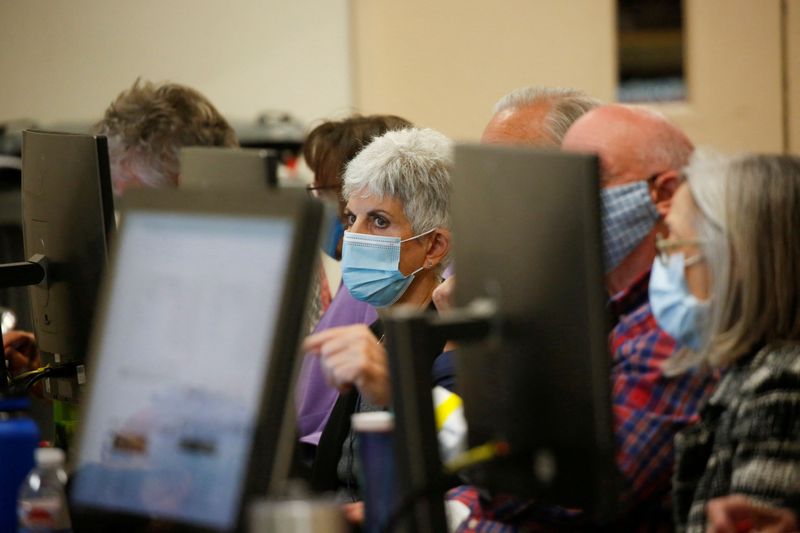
(747, 440)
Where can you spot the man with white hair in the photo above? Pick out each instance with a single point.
(532, 116)
(536, 116)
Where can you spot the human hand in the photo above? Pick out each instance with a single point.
(354, 512)
(738, 513)
(21, 351)
(444, 295)
(352, 356)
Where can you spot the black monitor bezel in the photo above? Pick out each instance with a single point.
(267, 464)
(495, 181)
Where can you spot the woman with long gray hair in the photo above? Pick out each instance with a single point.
(741, 285)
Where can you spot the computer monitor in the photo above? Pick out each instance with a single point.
(68, 215)
(192, 359)
(526, 226)
(215, 168)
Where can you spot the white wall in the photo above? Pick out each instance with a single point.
(66, 60)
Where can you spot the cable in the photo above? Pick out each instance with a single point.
(477, 455)
(23, 383)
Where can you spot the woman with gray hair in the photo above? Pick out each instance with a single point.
(743, 286)
(690, 259)
(397, 218)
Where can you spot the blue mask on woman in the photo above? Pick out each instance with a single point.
(371, 268)
(676, 310)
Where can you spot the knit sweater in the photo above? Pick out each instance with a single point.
(747, 440)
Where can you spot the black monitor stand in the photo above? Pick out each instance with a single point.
(413, 341)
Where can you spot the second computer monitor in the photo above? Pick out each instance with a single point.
(235, 169)
(68, 213)
(527, 236)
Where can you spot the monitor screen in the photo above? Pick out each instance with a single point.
(179, 365)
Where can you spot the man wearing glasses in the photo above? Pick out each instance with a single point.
(641, 157)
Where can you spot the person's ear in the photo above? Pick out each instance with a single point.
(438, 247)
(663, 188)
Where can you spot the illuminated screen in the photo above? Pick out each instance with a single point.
(180, 366)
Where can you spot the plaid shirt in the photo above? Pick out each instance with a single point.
(649, 409)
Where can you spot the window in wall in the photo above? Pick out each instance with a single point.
(650, 51)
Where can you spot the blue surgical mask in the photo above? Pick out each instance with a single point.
(628, 216)
(371, 268)
(676, 310)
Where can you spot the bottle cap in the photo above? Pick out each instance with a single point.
(49, 456)
(375, 421)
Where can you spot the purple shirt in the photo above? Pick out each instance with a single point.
(313, 397)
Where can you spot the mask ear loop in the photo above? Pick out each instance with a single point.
(689, 261)
(417, 237)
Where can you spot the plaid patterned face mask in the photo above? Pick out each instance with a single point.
(628, 216)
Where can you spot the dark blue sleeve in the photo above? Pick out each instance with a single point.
(444, 371)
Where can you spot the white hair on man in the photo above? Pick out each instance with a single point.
(411, 165)
(565, 106)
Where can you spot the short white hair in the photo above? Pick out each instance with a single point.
(566, 106)
(412, 165)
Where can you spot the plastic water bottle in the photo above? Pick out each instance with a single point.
(19, 437)
(42, 504)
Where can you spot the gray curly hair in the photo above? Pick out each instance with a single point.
(147, 124)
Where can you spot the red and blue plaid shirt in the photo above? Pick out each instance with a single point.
(649, 409)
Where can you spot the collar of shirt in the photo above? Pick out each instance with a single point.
(627, 300)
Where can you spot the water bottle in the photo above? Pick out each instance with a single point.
(42, 504)
(19, 437)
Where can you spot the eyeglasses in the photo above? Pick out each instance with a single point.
(665, 246)
(315, 191)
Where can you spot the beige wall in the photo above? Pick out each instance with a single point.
(793, 74)
(734, 71)
(67, 59)
(443, 64)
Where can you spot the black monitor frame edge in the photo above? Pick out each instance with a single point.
(261, 464)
